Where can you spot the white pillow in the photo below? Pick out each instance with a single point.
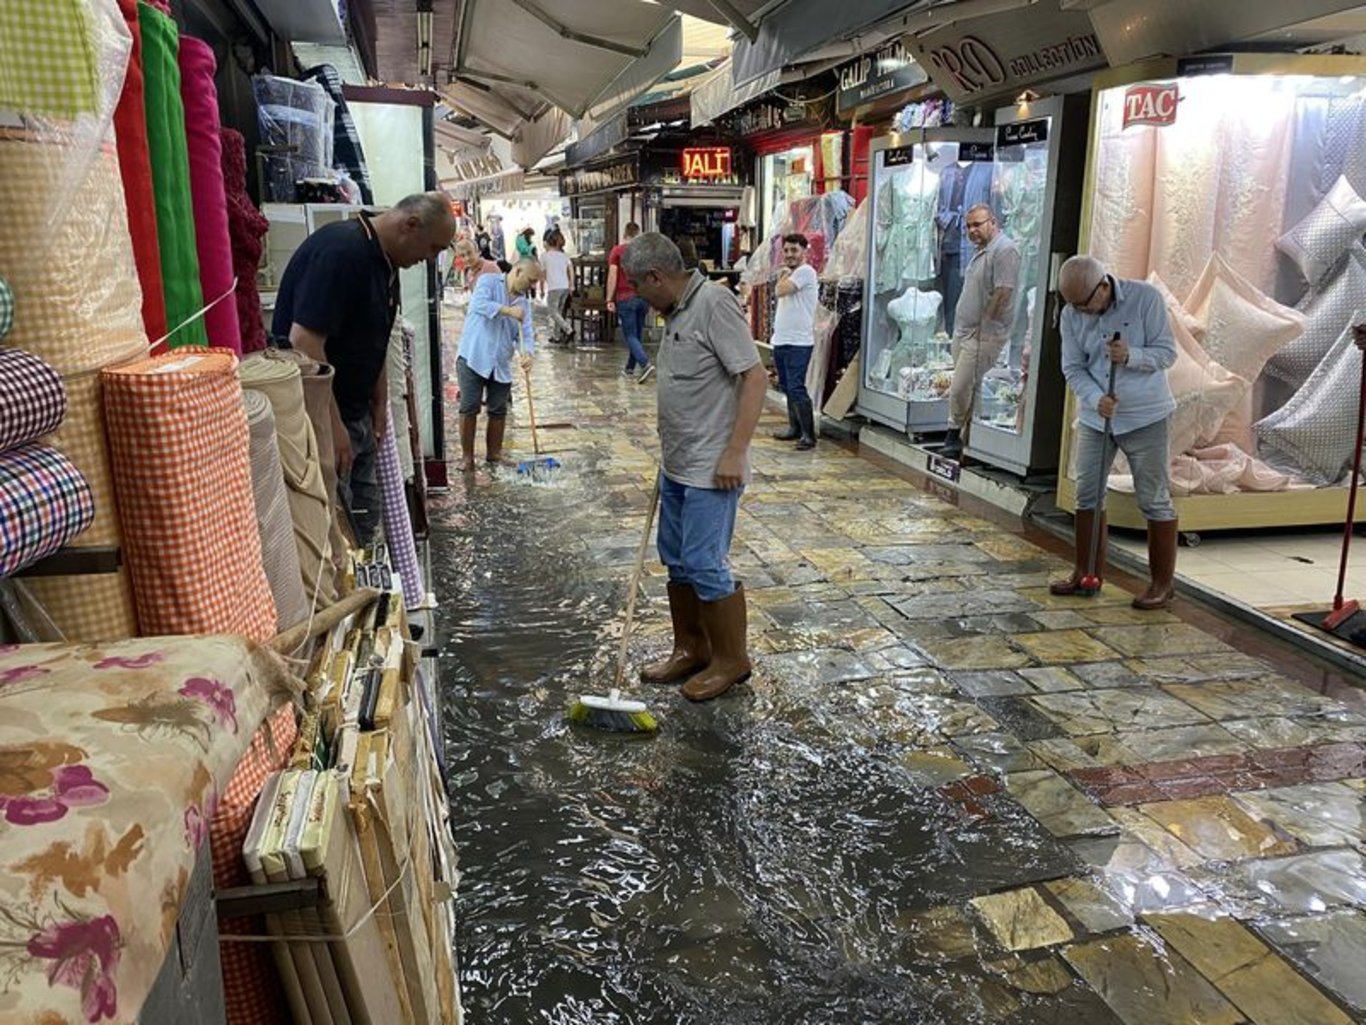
(1328, 310)
(1243, 327)
(1318, 242)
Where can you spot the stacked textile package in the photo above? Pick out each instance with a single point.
(65, 249)
(182, 470)
(363, 807)
(44, 500)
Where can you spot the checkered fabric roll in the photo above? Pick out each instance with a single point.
(44, 503)
(179, 444)
(88, 609)
(6, 309)
(398, 528)
(48, 62)
(32, 398)
(65, 250)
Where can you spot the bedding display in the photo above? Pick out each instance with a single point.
(1249, 208)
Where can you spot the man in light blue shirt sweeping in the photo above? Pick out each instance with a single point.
(1125, 322)
(499, 316)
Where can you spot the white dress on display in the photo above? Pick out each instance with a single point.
(916, 315)
(906, 207)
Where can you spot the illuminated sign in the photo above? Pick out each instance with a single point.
(707, 162)
(1151, 105)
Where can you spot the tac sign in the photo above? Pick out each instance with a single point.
(706, 162)
(1151, 104)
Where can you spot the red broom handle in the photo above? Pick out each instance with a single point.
(1352, 494)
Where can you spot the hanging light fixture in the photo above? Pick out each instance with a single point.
(424, 38)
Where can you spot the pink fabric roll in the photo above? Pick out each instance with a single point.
(1122, 203)
(200, 97)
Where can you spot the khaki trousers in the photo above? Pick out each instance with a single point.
(973, 356)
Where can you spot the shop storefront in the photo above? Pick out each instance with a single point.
(1235, 183)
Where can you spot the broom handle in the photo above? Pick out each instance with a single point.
(635, 587)
(1352, 494)
(1100, 478)
(531, 409)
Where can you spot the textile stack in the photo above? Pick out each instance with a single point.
(65, 251)
(182, 471)
(363, 807)
(296, 120)
(276, 526)
(44, 500)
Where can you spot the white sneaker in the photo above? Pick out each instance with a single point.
(645, 374)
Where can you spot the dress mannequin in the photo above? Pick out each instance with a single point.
(916, 315)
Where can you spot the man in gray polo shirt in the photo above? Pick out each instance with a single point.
(711, 392)
(982, 320)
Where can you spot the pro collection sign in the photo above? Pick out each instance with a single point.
(706, 162)
(1006, 52)
(891, 69)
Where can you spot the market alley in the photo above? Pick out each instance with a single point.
(945, 796)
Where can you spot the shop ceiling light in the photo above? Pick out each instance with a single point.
(424, 38)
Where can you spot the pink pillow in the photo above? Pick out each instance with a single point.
(1243, 327)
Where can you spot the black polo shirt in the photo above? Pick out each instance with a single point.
(339, 284)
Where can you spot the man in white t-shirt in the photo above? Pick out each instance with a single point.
(793, 339)
(559, 284)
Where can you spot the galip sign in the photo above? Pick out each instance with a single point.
(706, 162)
(1151, 104)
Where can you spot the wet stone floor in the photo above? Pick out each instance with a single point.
(945, 796)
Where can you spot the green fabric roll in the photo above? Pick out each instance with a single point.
(171, 177)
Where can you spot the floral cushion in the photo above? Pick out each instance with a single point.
(111, 762)
(1243, 327)
(1318, 242)
(1314, 434)
(1327, 311)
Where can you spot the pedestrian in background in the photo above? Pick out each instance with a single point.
(798, 291)
(630, 309)
(1111, 321)
(526, 248)
(473, 264)
(559, 283)
(711, 391)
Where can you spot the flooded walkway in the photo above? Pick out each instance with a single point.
(945, 796)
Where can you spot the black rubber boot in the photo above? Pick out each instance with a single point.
(806, 424)
(793, 431)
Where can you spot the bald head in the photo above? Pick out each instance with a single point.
(1079, 276)
(417, 228)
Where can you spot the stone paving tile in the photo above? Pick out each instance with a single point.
(937, 935)
(1065, 647)
(1257, 982)
(1061, 808)
(1096, 910)
(998, 752)
(1081, 713)
(983, 652)
(1138, 877)
(1109, 675)
(1300, 884)
(1331, 948)
(1052, 679)
(1020, 920)
(979, 685)
(1060, 619)
(1146, 985)
(1244, 699)
(1218, 829)
(1316, 814)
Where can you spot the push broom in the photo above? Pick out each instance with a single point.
(613, 712)
(1090, 583)
(530, 467)
(1344, 609)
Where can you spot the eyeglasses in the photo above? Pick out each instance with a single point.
(979, 224)
(1082, 306)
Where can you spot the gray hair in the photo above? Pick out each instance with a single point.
(430, 208)
(1084, 272)
(651, 252)
(986, 207)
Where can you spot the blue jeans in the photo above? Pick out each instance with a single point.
(631, 316)
(1146, 450)
(791, 362)
(695, 528)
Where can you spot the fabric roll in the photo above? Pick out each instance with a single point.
(396, 371)
(180, 446)
(171, 177)
(278, 552)
(135, 165)
(32, 398)
(49, 65)
(247, 228)
(207, 191)
(1124, 195)
(6, 309)
(309, 504)
(44, 504)
(398, 528)
(64, 250)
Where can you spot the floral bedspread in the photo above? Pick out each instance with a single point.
(111, 761)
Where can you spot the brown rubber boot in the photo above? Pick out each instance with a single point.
(497, 427)
(1084, 522)
(691, 652)
(469, 426)
(725, 623)
(1161, 566)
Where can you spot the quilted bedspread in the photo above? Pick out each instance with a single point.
(111, 762)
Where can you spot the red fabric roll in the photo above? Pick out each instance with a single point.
(135, 167)
(247, 228)
(200, 97)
